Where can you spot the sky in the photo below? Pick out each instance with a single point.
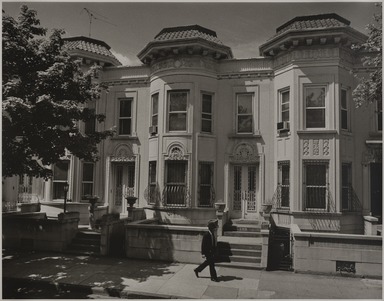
(129, 26)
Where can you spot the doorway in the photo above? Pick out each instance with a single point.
(123, 185)
(376, 176)
(246, 190)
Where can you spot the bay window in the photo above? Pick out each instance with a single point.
(315, 106)
(177, 110)
(206, 113)
(60, 177)
(315, 186)
(344, 110)
(87, 179)
(155, 109)
(176, 183)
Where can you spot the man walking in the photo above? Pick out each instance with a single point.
(208, 250)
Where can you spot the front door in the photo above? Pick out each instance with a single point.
(245, 190)
(124, 185)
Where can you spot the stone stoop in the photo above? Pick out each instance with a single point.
(241, 245)
(243, 228)
(86, 242)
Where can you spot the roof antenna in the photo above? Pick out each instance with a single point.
(91, 16)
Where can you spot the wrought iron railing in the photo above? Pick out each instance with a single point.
(245, 198)
(152, 195)
(318, 199)
(349, 200)
(280, 198)
(176, 196)
(8, 206)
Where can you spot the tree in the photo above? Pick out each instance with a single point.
(369, 89)
(45, 93)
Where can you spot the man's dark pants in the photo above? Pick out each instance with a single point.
(209, 260)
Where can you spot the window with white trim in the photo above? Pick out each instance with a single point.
(177, 111)
(315, 106)
(125, 116)
(155, 109)
(206, 113)
(244, 113)
(60, 177)
(87, 183)
(206, 193)
(315, 185)
(284, 106)
(344, 110)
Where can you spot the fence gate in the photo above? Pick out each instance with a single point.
(279, 249)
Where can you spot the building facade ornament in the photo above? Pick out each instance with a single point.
(326, 147)
(306, 147)
(244, 153)
(316, 150)
(123, 153)
(184, 62)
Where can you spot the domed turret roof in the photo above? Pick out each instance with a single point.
(311, 30)
(90, 48)
(190, 39)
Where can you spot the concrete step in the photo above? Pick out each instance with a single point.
(238, 246)
(242, 228)
(247, 259)
(242, 233)
(230, 252)
(240, 265)
(246, 221)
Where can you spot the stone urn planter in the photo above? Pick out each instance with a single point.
(220, 207)
(131, 200)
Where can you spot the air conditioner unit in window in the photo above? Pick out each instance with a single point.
(153, 129)
(283, 126)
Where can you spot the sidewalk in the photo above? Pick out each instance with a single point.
(127, 278)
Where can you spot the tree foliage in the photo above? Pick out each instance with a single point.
(369, 89)
(45, 93)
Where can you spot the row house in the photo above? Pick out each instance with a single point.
(196, 126)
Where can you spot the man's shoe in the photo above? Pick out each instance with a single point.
(196, 273)
(215, 279)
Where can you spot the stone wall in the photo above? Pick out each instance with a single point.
(164, 242)
(52, 209)
(39, 233)
(335, 253)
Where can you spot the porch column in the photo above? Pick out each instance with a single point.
(107, 173)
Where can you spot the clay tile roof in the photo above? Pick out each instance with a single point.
(187, 32)
(88, 44)
(323, 21)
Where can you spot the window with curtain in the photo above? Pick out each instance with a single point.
(177, 110)
(87, 179)
(244, 113)
(125, 116)
(205, 184)
(206, 113)
(315, 106)
(60, 177)
(315, 185)
(176, 182)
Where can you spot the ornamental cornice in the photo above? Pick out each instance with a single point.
(235, 75)
(184, 63)
(127, 82)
